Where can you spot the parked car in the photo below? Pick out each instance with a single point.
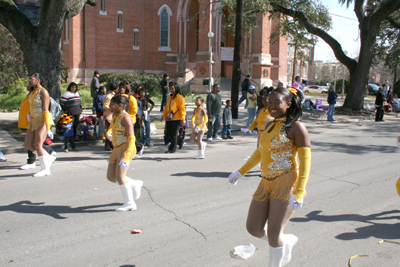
(315, 89)
(373, 89)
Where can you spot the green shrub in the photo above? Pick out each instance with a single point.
(16, 92)
(148, 81)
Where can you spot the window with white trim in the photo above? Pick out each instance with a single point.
(66, 31)
(119, 29)
(103, 8)
(135, 39)
(165, 13)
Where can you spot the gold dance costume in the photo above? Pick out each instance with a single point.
(280, 170)
(120, 140)
(198, 120)
(261, 121)
(133, 107)
(38, 116)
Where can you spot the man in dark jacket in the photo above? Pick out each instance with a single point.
(380, 98)
(214, 110)
(94, 88)
(245, 89)
(100, 111)
(332, 96)
(164, 90)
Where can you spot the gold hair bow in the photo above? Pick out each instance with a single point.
(294, 91)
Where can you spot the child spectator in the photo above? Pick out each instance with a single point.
(262, 118)
(199, 124)
(100, 111)
(145, 100)
(68, 129)
(251, 109)
(227, 121)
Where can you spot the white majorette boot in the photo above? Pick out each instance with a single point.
(204, 145)
(290, 240)
(50, 158)
(127, 193)
(200, 155)
(276, 256)
(44, 165)
(136, 187)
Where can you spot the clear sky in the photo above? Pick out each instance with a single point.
(344, 30)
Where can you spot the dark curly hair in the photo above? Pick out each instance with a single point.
(294, 112)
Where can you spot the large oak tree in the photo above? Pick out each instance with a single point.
(41, 43)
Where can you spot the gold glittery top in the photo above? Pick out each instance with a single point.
(35, 104)
(278, 152)
(198, 120)
(119, 133)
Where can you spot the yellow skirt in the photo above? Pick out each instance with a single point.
(280, 188)
(119, 152)
(36, 123)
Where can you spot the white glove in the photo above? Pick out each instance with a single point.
(110, 137)
(294, 204)
(50, 134)
(234, 177)
(123, 164)
(197, 129)
(29, 117)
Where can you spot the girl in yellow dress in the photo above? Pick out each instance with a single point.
(199, 121)
(282, 188)
(123, 139)
(40, 123)
(262, 119)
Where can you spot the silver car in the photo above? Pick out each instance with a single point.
(315, 89)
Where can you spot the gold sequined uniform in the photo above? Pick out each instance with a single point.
(198, 120)
(279, 168)
(119, 139)
(36, 110)
(261, 121)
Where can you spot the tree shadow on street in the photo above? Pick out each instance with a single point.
(353, 149)
(375, 229)
(26, 206)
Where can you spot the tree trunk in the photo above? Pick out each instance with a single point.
(236, 60)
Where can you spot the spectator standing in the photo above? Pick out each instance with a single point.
(144, 101)
(332, 96)
(94, 88)
(68, 130)
(214, 110)
(164, 90)
(113, 87)
(252, 108)
(245, 89)
(71, 104)
(100, 111)
(174, 113)
(227, 121)
(386, 89)
(301, 86)
(379, 100)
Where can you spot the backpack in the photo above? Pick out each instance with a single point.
(54, 108)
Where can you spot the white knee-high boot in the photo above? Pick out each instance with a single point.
(276, 256)
(200, 155)
(49, 158)
(136, 186)
(290, 240)
(127, 193)
(204, 145)
(44, 165)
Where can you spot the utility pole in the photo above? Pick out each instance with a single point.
(236, 60)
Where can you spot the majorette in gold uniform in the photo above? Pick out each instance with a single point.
(278, 157)
(38, 117)
(198, 120)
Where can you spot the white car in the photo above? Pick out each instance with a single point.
(315, 89)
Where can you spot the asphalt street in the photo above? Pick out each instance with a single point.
(192, 216)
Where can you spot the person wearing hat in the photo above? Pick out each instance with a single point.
(94, 89)
(68, 130)
(252, 107)
(300, 93)
(164, 90)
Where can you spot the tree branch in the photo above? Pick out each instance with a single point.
(335, 45)
(74, 7)
(359, 10)
(393, 23)
(15, 21)
(384, 10)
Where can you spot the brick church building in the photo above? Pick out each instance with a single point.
(157, 36)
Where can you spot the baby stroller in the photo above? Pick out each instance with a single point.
(182, 133)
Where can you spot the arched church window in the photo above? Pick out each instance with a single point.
(165, 13)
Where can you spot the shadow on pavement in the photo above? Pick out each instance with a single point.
(377, 230)
(27, 207)
(354, 149)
